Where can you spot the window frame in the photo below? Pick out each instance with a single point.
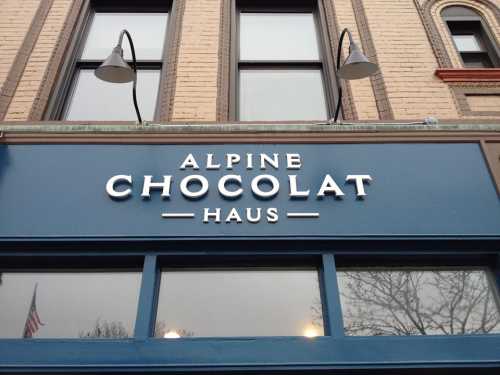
(72, 63)
(491, 50)
(286, 264)
(325, 64)
(334, 351)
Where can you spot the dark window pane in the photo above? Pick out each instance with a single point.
(239, 303)
(147, 31)
(69, 305)
(476, 60)
(426, 302)
(278, 36)
(281, 95)
(94, 99)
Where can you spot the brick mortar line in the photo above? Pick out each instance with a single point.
(22, 57)
(377, 80)
(223, 69)
(437, 44)
(55, 62)
(333, 32)
(171, 65)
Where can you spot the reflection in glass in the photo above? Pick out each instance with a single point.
(278, 36)
(467, 43)
(68, 305)
(147, 30)
(94, 99)
(426, 302)
(244, 302)
(267, 95)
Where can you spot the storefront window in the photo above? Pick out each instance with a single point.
(68, 305)
(249, 302)
(418, 302)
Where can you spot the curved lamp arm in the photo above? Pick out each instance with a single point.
(337, 67)
(134, 67)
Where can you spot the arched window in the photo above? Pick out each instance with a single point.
(471, 37)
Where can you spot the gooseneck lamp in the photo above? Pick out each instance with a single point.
(116, 70)
(356, 66)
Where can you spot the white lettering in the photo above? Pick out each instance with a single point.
(254, 219)
(274, 162)
(272, 215)
(329, 186)
(359, 179)
(222, 186)
(190, 162)
(294, 192)
(293, 161)
(190, 179)
(249, 161)
(207, 215)
(233, 215)
(210, 162)
(232, 159)
(148, 185)
(265, 194)
(110, 186)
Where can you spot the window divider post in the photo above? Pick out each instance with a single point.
(496, 279)
(146, 308)
(331, 298)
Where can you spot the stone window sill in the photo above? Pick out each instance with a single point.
(469, 75)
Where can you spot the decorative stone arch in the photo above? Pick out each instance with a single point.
(439, 40)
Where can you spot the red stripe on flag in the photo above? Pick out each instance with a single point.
(37, 318)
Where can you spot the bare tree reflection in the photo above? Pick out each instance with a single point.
(105, 329)
(317, 312)
(418, 302)
(161, 329)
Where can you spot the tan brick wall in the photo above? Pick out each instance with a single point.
(403, 49)
(15, 19)
(362, 91)
(407, 61)
(484, 102)
(37, 64)
(196, 87)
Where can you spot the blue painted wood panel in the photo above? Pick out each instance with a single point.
(58, 191)
(250, 353)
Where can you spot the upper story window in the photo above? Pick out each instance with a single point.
(89, 98)
(471, 37)
(280, 63)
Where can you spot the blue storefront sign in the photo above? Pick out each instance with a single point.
(261, 191)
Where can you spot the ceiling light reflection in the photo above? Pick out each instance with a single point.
(310, 332)
(171, 335)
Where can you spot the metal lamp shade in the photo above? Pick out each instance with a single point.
(115, 69)
(357, 65)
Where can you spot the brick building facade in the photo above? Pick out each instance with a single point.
(408, 39)
(398, 200)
